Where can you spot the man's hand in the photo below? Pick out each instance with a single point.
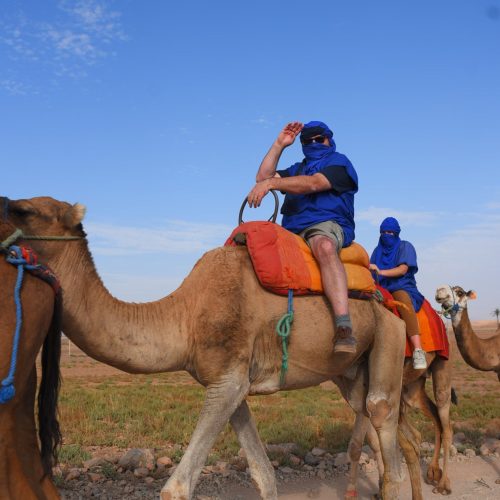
(289, 133)
(258, 192)
(374, 267)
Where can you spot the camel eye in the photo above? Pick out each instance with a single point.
(460, 293)
(21, 211)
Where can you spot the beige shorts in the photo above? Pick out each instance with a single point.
(329, 229)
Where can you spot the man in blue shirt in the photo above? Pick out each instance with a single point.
(319, 206)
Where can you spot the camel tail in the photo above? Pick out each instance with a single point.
(48, 425)
(454, 397)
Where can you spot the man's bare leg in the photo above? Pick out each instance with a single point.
(335, 287)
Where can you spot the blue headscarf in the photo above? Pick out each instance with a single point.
(316, 154)
(386, 252)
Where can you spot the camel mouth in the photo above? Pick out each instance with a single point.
(442, 295)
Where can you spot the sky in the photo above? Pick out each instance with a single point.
(156, 114)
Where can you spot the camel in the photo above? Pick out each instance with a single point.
(482, 354)
(219, 327)
(25, 471)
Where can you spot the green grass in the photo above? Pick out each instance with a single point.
(73, 454)
(161, 410)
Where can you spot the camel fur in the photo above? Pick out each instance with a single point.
(219, 326)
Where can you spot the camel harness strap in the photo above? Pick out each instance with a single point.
(283, 329)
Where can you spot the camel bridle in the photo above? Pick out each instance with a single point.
(450, 312)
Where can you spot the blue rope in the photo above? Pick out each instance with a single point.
(283, 329)
(7, 389)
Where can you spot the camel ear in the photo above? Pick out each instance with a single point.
(471, 295)
(74, 215)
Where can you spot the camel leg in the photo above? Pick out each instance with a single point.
(409, 440)
(441, 379)
(260, 467)
(354, 452)
(382, 402)
(415, 396)
(373, 442)
(355, 392)
(221, 402)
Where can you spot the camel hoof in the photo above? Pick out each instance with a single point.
(434, 475)
(444, 487)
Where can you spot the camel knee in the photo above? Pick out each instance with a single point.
(354, 450)
(379, 409)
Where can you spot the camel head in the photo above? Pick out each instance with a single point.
(44, 217)
(453, 299)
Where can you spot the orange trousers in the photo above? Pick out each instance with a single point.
(409, 315)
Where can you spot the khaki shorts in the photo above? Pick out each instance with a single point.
(329, 229)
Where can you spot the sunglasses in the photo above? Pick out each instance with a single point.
(319, 139)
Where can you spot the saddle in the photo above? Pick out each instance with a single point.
(283, 261)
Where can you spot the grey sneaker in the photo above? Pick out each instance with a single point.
(419, 361)
(344, 340)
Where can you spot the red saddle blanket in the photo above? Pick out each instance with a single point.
(282, 260)
(432, 330)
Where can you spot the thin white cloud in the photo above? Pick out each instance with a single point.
(493, 205)
(83, 33)
(14, 87)
(140, 287)
(374, 216)
(262, 120)
(175, 237)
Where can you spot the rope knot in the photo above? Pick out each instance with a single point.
(283, 329)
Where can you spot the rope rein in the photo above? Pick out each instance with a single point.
(15, 257)
(18, 234)
(283, 329)
(24, 259)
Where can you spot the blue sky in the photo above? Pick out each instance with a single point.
(156, 115)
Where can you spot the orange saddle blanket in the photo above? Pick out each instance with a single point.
(283, 261)
(432, 330)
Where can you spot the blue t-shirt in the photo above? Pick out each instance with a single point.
(301, 211)
(405, 254)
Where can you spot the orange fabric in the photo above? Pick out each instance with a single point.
(432, 330)
(282, 260)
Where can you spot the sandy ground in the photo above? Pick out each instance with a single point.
(475, 478)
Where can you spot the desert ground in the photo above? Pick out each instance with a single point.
(124, 434)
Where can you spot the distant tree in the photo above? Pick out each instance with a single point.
(496, 313)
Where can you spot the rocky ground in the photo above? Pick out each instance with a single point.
(139, 473)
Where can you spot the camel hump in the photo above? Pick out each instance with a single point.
(282, 260)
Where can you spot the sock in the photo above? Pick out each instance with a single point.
(343, 320)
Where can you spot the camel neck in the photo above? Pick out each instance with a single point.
(137, 338)
(477, 352)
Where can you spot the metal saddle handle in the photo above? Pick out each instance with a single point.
(271, 219)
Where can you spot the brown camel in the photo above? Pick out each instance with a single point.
(482, 354)
(219, 326)
(415, 396)
(25, 472)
